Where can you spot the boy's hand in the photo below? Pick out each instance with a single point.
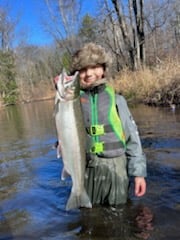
(55, 80)
(140, 186)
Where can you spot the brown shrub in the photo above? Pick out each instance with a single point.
(158, 86)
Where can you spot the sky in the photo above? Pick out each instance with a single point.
(29, 14)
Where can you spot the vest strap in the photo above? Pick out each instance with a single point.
(100, 147)
(96, 130)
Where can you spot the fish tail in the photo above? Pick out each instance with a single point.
(77, 201)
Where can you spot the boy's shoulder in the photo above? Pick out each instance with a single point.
(120, 100)
(122, 106)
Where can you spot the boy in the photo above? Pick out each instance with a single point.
(114, 149)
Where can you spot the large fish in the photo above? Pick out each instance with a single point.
(71, 137)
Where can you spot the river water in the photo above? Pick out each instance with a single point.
(32, 198)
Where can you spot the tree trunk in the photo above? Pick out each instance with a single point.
(124, 32)
(140, 38)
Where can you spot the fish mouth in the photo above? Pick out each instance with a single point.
(69, 80)
(67, 86)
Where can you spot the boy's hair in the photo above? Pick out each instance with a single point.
(91, 55)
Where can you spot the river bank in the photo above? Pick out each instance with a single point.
(157, 86)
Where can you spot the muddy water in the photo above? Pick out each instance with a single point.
(32, 198)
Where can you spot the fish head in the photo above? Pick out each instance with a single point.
(68, 87)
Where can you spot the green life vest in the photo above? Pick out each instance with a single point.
(106, 137)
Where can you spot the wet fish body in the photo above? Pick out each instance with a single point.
(72, 138)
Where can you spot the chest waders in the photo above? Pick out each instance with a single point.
(104, 125)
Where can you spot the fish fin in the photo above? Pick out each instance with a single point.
(77, 201)
(64, 174)
(58, 149)
(58, 153)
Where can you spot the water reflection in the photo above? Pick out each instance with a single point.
(144, 222)
(125, 222)
(32, 198)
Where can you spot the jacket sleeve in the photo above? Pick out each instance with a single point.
(135, 156)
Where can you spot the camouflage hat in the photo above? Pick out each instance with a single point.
(90, 55)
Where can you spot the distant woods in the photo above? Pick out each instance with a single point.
(138, 33)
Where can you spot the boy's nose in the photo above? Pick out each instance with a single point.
(89, 71)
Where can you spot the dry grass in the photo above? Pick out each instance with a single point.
(141, 84)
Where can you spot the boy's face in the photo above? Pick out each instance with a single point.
(90, 75)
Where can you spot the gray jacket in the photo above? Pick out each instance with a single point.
(135, 156)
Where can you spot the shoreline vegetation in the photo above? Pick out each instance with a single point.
(157, 86)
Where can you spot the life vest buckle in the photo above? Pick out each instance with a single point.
(98, 147)
(96, 130)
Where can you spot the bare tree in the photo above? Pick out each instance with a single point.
(174, 26)
(139, 35)
(7, 28)
(124, 32)
(63, 22)
(112, 37)
(157, 15)
(140, 30)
